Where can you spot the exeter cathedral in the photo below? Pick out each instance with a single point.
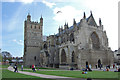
(83, 43)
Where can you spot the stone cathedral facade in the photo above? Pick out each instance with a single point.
(83, 43)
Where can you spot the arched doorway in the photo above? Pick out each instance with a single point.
(63, 56)
(35, 58)
(99, 63)
(87, 64)
(73, 56)
(95, 41)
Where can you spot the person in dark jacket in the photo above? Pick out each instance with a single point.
(15, 67)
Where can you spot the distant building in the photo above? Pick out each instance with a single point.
(117, 56)
(83, 43)
(17, 59)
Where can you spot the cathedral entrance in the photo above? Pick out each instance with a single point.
(86, 64)
(73, 61)
(99, 63)
(63, 60)
(34, 60)
(63, 57)
(73, 57)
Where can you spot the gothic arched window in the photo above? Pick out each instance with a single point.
(71, 37)
(95, 41)
(63, 56)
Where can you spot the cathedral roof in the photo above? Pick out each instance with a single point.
(91, 20)
(70, 28)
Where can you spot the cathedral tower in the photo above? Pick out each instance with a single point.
(33, 34)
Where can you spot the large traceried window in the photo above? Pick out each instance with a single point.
(95, 41)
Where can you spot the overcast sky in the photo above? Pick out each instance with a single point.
(15, 12)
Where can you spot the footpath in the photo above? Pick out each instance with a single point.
(45, 76)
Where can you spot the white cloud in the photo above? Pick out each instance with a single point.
(20, 42)
(67, 14)
(26, 1)
(49, 4)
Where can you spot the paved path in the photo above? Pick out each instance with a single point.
(3, 68)
(46, 76)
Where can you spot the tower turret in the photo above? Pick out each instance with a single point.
(66, 26)
(59, 29)
(100, 23)
(41, 20)
(84, 17)
(28, 17)
(74, 22)
(91, 13)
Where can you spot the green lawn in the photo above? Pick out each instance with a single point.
(78, 74)
(39, 68)
(4, 66)
(9, 75)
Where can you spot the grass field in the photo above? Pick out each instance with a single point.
(78, 74)
(39, 68)
(74, 74)
(4, 66)
(9, 75)
(19, 67)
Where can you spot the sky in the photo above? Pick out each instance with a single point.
(14, 12)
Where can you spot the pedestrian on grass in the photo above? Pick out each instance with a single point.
(96, 66)
(33, 68)
(100, 66)
(113, 65)
(22, 67)
(15, 67)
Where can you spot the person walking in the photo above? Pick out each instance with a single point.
(113, 66)
(22, 67)
(33, 68)
(15, 67)
(96, 66)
